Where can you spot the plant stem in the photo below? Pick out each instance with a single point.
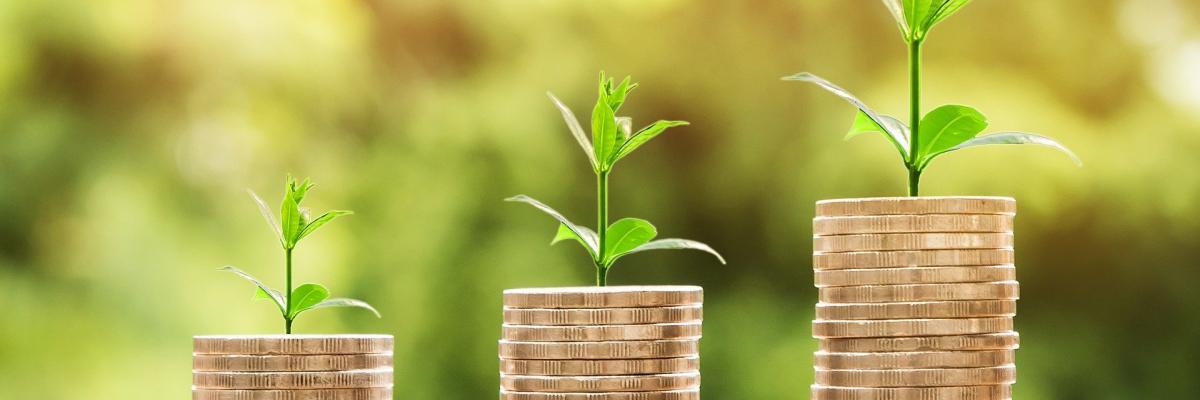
(601, 226)
(914, 89)
(287, 296)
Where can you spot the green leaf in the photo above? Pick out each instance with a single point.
(617, 96)
(290, 218)
(263, 289)
(917, 17)
(565, 233)
(604, 131)
(592, 243)
(890, 126)
(322, 220)
(641, 137)
(625, 235)
(306, 296)
(1014, 138)
(945, 127)
(266, 213)
(343, 302)
(944, 9)
(864, 124)
(677, 244)
(576, 130)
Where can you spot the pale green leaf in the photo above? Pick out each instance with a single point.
(897, 11)
(945, 127)
(272, 294)
(897, 135)
(626, 128)
(625, 235)
(306, 296)
(322, 220)
(642, 136)
(674, 244)
(1015, 138)
(587, 235)
(266, 213)
(576, 130)
(343, 302)
(864, 124)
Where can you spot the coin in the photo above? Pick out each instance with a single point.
(379, 393)
(600, 367)
(604, 297)
(913, 258)
(825, 226)
(532, 333)
(917, 310)
(995, 341)
(592, 384)
(904, 276)
(914, 360)
(916, 205)
(617, 350)
(292, 344)
(686, 394)
(910, 327)
(917, 377)
(993, 392)
(922, 292)
(320, 362)
(911, 241)
(381, 377)
(603, 316)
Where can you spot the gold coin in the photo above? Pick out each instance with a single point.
(603, 316)
(906, 276)
(911, 241)
(292, 344)
(593, 384)
(604, 297)
(620, 350)
(913, 258)
(600, 367)
(600, 333)
(319, 362)
(917, 377)
(917, 310)
(910, 327)
(923, 292)
(914, 360)
(827, 226)
(916, 206)
(686, 394)
(994, 341)
(993, 392)
(379, 393)
(381, 377)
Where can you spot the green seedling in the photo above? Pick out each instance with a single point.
(943, 130)
(612, 139)
(293, 225)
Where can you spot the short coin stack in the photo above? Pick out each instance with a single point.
(601, 343)
(917, 298)
(292, 367)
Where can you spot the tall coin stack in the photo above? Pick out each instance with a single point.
(292, 367)
(917, 298)
(601, 343)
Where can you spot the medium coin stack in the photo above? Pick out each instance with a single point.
(292, 367)
(601, 343)
(917, 298)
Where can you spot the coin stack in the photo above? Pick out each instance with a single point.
(917, 298)
(601, 343)
(292, 367)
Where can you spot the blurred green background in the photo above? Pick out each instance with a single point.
(132, 128)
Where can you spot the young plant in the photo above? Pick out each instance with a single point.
(612, 139)
(946, 128)
(296, 225)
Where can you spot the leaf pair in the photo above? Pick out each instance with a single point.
(945, 129)
(309, 296)
(612, 136)
(916, 18)
(623, 237)
(293, 223)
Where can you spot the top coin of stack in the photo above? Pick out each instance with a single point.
(601, 343)
(292, 367)
(917, 297)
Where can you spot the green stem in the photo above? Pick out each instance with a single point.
(601, 226)
(287, 296)
(914, 89)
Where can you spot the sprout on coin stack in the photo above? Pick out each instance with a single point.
(293, 367)
(604, 342)
(917, 294)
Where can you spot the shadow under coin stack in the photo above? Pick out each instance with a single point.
(601, 343)
(917, 298)
(292, 367)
